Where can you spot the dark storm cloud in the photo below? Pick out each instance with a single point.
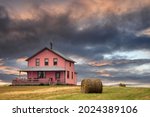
(29, 34)
(6, 77)
(116, 34)
(4, 20)
(120, 63)
(141, 79)
(122, 70)
(84, 71)
(119, 75)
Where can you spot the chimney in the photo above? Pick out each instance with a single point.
(51, 45)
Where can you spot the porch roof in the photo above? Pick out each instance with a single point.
(54, 68)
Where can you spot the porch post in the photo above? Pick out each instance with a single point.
(64, 77)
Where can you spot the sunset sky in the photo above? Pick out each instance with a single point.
(109, 39)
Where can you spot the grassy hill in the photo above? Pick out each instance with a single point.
(71, 93)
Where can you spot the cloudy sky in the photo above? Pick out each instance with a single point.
(109, 39)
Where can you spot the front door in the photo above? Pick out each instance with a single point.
(57, 76)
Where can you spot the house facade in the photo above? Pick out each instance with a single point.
(48, 67)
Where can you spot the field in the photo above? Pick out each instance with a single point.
(71, 93)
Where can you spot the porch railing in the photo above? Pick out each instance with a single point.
(30, 81)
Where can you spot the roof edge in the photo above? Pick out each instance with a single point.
(49, 50)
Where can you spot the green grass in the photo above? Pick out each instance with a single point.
(71, 93)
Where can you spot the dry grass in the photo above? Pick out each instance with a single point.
(39, 91)
(71, 93)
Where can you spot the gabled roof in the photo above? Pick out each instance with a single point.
(54, 51)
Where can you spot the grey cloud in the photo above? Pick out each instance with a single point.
(6, 77)
(27, 35)
(141, 79)
(4, 20)
(121, 63)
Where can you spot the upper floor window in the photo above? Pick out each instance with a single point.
(46, 61)
(37, 62)
(70, 64)
(55, 61)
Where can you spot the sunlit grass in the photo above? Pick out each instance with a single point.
(71, 93)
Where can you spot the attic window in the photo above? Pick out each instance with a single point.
(46, 61)
(37, 62)
(55, 61)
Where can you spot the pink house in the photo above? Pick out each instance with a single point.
(48, 67)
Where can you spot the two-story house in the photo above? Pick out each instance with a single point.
(48, 67)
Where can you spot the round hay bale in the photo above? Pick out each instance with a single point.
(91, 86)
(122, 85)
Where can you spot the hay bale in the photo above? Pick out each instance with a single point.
(91, 86)
(122, 85)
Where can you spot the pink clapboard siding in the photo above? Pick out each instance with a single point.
(49, 75)
(71, 69)
(46, 54)
(64, 66)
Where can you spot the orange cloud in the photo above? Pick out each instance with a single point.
(22, 59)
(100, 63)
(80, 9)
(145, 32)
(104, 73)
(9, 70)
(1, 62)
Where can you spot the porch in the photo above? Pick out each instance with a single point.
(41, 76)
(19, 82)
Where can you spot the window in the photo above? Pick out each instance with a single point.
(57, 74)
(68, 74)
(55, 60)
(70, 64)
(72, 75)
(37, 62)
(41, 74)
(46, 61)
